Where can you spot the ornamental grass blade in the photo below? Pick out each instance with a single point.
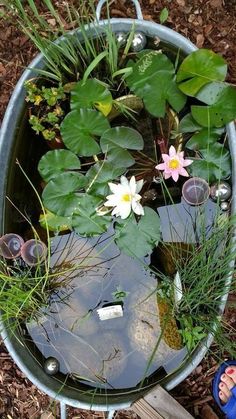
(94, 64)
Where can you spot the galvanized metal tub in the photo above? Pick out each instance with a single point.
(11, 125)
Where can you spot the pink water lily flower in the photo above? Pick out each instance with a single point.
(174, 164)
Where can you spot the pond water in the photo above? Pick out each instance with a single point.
(113, 353)
(117, 352)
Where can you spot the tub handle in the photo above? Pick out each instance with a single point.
(135, 2)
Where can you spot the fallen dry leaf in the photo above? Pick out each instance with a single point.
(2, 70)
(208, 413)
(47, 415)
(216, 3)
(200, 40)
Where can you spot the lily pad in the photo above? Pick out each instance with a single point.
(215, 164)
(56, 162)
(115, 142)
(86, 221)
(211, 92)
(220, 113)
(61, 194)
(55, 222)
(80, 128)
(199, 68)
(188, 124)
(91, 94)
(153, 79)
(99, 175)
(204, 138)
(137, 239)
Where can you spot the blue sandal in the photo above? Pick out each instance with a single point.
(229, 409)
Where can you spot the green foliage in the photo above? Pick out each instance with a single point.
(55, 162)
(23, 292)
(221, 112)
(61, 195)
(94, 64)
(48, 134)
(52, 118)
(210, 93)
(191, 334)
(164, 15)
(47, 113)
(91, 94)
(36, 124)
(188, 124)
(119, 294)
(199, 68)
(80, 128)
(99, 175)
(85, 219)
(115, 141)
(215, 163)
(203, 268)
(203, 139)
(55, 223)
(137, 239)
(153, 79)
(53, 94)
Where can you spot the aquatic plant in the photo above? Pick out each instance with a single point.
(92, 97)
(125, 197)
(174, 164)
(203, 271)
(46, 112)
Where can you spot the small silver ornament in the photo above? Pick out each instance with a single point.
(121, 38)
(224, 206)
(139, 42)
(51, 365)
(220, 191)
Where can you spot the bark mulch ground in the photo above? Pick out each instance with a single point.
(208, 24)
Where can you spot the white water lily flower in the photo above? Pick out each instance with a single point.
(125, 197)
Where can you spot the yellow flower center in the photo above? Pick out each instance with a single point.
(174, 163)
(126, 198)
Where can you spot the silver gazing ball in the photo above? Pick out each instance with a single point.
(139, 42)
(121, 38)
(51, 365)
(224, 206)
(220, 191)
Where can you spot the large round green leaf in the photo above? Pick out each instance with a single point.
(220, 113)
(199, 68)
(124, 137)
(54, 222)
(215, 164)
(115, 142)
(80, 128)
(86, 221)
(56, 162)
(204, 138)
(211, 92)
(153, 79)
(138, 239)
(89, 94)
(61, 194)
(188, 124)
(99, 175)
